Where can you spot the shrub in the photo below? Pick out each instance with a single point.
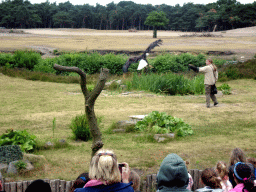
(9, 153)
(80, 128)
(161, 123)
(46, 65)
(20, 165)
(26, 141)
(177, 63)
(114, 63)
(6, 59)
(225, 88)
(26, 59)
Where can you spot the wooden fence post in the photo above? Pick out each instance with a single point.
(24, 185)
(62, 186)
(19, 187)
(68, 185)
(13, 187)
(7, 187)
(53, 185)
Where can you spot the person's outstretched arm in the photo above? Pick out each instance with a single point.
(196, 69)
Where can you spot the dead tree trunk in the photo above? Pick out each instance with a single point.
(90, 99)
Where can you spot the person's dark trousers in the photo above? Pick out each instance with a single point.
(209, 96)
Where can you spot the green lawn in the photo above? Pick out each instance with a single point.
(32, 105)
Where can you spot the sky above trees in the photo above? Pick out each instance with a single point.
(153, 2)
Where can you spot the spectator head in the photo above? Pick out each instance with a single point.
(237, 155)
(222, 170)
(104, 167)
(38, 186)
(80, 181)
(135, 179)
(172, 174)
(210, 178)
(243, 174)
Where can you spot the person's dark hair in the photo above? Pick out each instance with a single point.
(80, 181)
(243, 174)
(210, 178)
(39, 186)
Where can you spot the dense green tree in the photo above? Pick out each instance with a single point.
(156, 19)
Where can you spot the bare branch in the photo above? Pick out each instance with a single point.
(76, 70)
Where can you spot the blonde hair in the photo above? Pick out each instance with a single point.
(104, 167)
(222, 169)
(135, 179)
(237, 155)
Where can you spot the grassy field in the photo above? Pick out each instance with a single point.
(85, 40)
(33, 105)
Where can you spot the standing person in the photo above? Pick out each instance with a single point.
(211, 181)
(244, 178)
(210, 78)
(172, 175)
(105, 176)
(237, 155)
(222, 170)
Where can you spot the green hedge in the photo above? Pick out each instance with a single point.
(91, 63)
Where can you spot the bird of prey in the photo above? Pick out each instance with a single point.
(143, 56)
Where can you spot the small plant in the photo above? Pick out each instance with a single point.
(225, 88)
(161, 123)
(53, 126)
(80, 128)
(21, 165)
(26, 141)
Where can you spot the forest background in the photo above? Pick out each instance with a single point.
(226, 14)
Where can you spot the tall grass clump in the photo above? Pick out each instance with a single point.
(80, 128)
(169, 83)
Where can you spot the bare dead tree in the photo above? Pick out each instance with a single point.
(90, 98)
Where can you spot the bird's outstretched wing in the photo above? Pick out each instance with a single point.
(153, 45)
(143, 56)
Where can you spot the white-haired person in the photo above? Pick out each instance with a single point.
(105, 175)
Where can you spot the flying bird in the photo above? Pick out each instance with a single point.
(143, 56)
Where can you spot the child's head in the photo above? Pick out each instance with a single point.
(243, 174)
(222, 170)
(210, 178)
(80, 181)
(135, 179)
(237, 155)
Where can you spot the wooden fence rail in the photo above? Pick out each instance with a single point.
(57, 185)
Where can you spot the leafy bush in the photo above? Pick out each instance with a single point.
(6, 59)
(177, 63)
(26, 141)
(225, 88)
(26, 59)
(80, 128)
(114, 63)
(20, 165)
(46, 65)
(161, 123)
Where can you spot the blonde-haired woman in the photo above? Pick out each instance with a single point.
(105, 176)
(210, 78)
